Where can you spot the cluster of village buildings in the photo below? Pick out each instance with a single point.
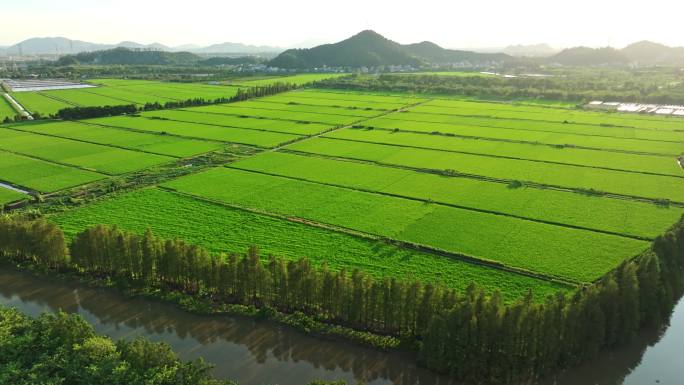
(641, 108)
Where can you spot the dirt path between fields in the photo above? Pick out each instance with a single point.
(17, 107)
(303, 138)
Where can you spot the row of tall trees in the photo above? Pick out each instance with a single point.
(473, 335)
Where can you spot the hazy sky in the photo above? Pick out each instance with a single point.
(450, 23)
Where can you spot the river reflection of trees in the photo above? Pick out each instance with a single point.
(222, 339)
(119, 317)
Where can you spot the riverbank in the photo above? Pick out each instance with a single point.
(204, 305)
(247, 349)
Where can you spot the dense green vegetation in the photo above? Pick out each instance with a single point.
(62, 348)
(175, 216)
(646, 85)
(471, 335)
(128, 56)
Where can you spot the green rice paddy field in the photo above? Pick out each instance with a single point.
(223, 229)
(95, 157)
(112, 92)
(300, 79)
(7, 196)
(40, 175)
(6, 110)
(505, 195)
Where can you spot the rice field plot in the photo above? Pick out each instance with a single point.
(222, 229)
(179, 91)
(300, 79)
(525, 135)
(507, 110)
(126, 95)
(280, 126)
(621, 216)
(36, 102)
(6, 109)
(83, 98)
(293, 98)
(572, 254)
(449, 74)
(357, 96)
(42, 176)
(616, 182)
(266, 104)
(536, 125)
(8, 196)
(188, 129)
(170, 90)
(154, 143)
(95, 157)
(237, 109)
(665, 165)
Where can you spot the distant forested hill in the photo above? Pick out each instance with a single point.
(127, 56)
(642, 53)
(371, 49)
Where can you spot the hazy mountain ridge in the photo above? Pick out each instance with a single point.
(530, 50)
(641, 53)
(65, 46)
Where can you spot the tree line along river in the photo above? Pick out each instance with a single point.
(262, 352)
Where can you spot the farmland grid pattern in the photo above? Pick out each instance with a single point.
(437, 154)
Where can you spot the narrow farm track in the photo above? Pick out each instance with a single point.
(18, 129)
(176, 135)
(209, 124)
(59, 163)
(535, 143)
(549, 131)
(349, 125)
(53, 97)
(408, 245)
(508, 157)
(489, 179)
(85, 90)
(525, 119)
(438, 203)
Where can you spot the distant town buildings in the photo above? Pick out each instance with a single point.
(639, 108)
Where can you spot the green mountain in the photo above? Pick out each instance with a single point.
(649, 53)
(127, 56)
(364, 49)
(371, 49)
(584, 56)
(434, 54)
